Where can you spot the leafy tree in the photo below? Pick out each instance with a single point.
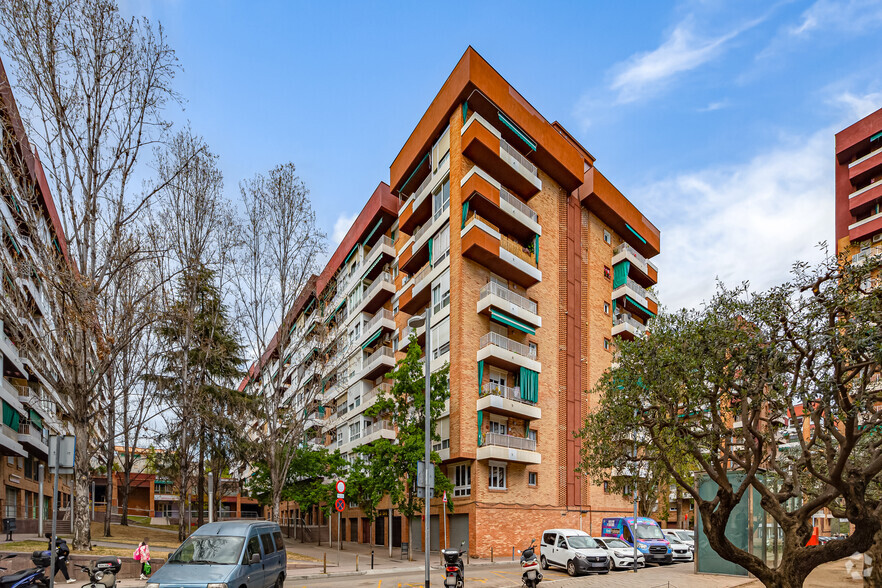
(756, 359)
(364, 489)
(392, 464)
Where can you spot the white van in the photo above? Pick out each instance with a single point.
(683, 535)
(574, 550)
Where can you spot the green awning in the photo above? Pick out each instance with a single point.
(638, 305)
(430, 251)
(415, 170)
(10, 417)
(373, 265)
(529, 383)
(14, 242)
(348, 257)
(530, 142)
(465, 111)
(876, 136)
(310, 305)
(480, 376)
(480, 423)
(536, 249)
(335, 311)
(501, 317)
(372, 339)
(374, 230)
(620, 274)
(630, 228)
(309, 330)
(35, 418)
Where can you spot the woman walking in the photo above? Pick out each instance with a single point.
(142, 554)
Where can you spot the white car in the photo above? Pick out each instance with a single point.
(683, 535)
(574, 550)
(621, 554)
(679, 550)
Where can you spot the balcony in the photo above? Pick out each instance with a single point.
(380, 254)
(10, 350)
(873, 254)
(377, 294)
(866, 227)
(635, 298)
(482, 242)
(418, 208)
(9, 444)
(33, 439)
(627, 327)
(483, 144)
(380, 322)
(380, 362)
(507, 353)
(415, 293)
(865, 197)
(496, 296)
(507, 400)
(492, 201)
(508, 448)
(643, 271)
(865, 165)
(416, 255)
(9, 393)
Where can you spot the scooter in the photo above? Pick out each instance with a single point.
(530, 565)
(25, 578)
(454, 569)
(101, 576)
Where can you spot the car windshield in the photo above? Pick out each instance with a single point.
(688, 535)
(208, 549)
(644, 531)
(615, 543)
(581, 542)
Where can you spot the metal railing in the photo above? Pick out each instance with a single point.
(422, 273)
(627, 248)
(383, 313)
(376, 427)
(622, 319)
(508, 392)
(528, 165)
(507, 344)
(509, 296)
(422, 185)
(517, 203)
(867, 254)
(513, 246)
(372, 393)
(511, 441)
(383, 277)
(380, 353)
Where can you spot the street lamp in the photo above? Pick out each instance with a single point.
(415, 322)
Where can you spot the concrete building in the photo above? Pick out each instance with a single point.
(32, 409)
(859, 188)
(533, 263)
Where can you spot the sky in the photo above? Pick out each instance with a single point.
(716, 119)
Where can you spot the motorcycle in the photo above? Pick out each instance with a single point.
(454, 569)
(103, 575)
(29, 577)
(530, 565)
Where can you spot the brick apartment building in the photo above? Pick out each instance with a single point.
(32, 409)
(533, 263)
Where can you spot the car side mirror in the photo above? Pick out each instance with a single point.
(255, 558)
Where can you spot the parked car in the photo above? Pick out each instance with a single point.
(232, 553)
(574, 550)
(685, 535)
(620, 553)
(680, 551)
(643, 532)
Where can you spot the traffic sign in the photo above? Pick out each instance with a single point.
(340, 505)
(341, 486)
(445, 497)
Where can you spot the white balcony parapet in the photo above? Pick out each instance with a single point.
(865, 189)
(865, 157)
(510, 441)
(625, 319)
(383, 313)
(518, 204)
(866, 220)
(626, 248)
(383, 277)
(526, 163)
(507, 344)
(867, 254)
(495, 289)
(508, 392)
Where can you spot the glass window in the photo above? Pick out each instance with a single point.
(441, 292)
(441, 338)
(607, 238)
(581, 542)
(210, 548)
(497, 477)
(267, 540)
(606, 307)
(561, 542)
(441, 199)
(532, 478)
(462, 480)
(606, 272)
(441, 245)
(497, 427)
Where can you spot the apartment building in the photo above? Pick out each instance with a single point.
(32, 409)
(533, 263)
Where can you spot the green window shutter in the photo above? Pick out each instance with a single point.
(465, 212)
(36, 419)
(373, 338)
(480, 377)
(480, 424)
(430, 251)
(536, 249)
(620, 274)
(465, 111)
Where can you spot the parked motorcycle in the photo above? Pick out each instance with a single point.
(530, 566)
(29, 577)
(454, 569)
(103, 575)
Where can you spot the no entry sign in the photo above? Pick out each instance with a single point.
(340, 505)
(341, 486)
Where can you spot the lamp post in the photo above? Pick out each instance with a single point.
(634, 490)
(416, 322)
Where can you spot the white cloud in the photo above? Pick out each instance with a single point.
(857, 106)
(747, 221)
(714, 106)
(852, 15)
(643, 74)
(341, 227)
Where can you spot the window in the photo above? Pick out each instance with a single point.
(441, 150)
(606, 487)
(253, 547)
(533, 434)
(462, 480)
(606, 343)
(497, 380)
(534, 350)
(395, 307)
(606, 272)
(441, 338)
(280, 543)
(445, 444)
(441, 199)
(395, 342)
(395, 270)
(497, 477)
(441, 245)
(354, 431)
(267, 540)
(532, 478)
(441, 292)
(498, 427)
(606, 308)
(607, 238)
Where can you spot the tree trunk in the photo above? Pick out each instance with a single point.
(82, 531)
(124, 498)
(200, 480)
(111, 453)
(873, 562)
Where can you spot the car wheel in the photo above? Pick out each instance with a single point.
(571, 568)
(280, 582)
(543, 562)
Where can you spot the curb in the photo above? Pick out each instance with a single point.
(377, 571)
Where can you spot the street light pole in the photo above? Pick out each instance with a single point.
(414, 323)
(634, 490)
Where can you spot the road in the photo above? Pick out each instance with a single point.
(509, 575)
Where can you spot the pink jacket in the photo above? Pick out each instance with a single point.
(143, 552)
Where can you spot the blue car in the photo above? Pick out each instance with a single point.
(232, 554)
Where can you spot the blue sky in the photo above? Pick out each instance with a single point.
(715, 118)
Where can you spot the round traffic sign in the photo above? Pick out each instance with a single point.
(340, 505)
(341, 486)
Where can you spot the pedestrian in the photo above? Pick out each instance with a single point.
(61, 558)
(142, 554)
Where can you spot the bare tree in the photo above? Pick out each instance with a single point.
(94, 87)
(279, 255)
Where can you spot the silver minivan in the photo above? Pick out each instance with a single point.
(574, 550)
(231, 554)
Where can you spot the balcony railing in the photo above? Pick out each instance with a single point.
(513, 246)
(371, 394)
(378, 354)
(507, 344)
(528, 165)
(509, 296)
(508, 392)
(422, 185)
(377, 427)
(866, 255)
(383, 313)
(424, 271)
(384, 277)
(624, 247)
(506, 196)
(623, 319)
(510, 441)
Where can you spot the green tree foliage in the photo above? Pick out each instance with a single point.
(392, 464)
(758, 359)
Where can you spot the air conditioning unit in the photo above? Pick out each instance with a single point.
(877, 238)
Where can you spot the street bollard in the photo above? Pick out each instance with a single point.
(372, 559)
(512, 553)
(356, 562)
(325, 563)
(491, 555)
(468, 558)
